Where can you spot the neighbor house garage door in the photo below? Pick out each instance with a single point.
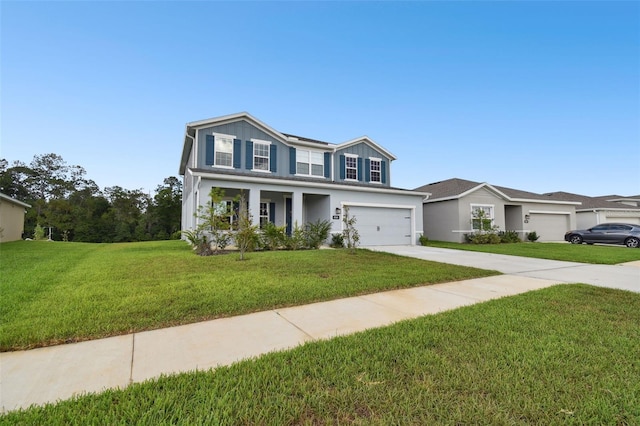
(382, 225)
(550, 227)
(635, 219)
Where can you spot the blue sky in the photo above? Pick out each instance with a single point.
(537, 96)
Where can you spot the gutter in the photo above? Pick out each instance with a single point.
(307, 184)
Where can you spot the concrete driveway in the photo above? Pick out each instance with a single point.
(624, 276)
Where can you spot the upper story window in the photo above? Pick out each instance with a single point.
(223, 153)
(482, 217)
(261, 155)
(375, 166)
(309, 162)
(351, 167)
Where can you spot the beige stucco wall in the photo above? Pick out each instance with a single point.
(11, 220)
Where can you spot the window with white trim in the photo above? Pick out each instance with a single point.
(223, 152)
(351, 167)
(228, 210)
(482, 217)
(261, 156)
(375, 170)
(264, 214)
(309, 162)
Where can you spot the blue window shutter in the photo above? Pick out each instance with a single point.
(273, 158)
(237, 146)
(249, 156)
(383, 171)
(292, 160)
(327, 165)
(360, 169)
(342, 167)
(272, 212)
(367, 170)
(209, 149)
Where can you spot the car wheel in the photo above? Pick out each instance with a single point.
(632, 242)
(575, 239)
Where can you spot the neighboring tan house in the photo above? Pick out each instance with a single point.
(12, 214)
(606, 209)
(448, 212)
(291, 180)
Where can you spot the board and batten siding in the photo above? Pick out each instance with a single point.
(364, 152)
(244, 132)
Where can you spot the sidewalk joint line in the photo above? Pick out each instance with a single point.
(305, 333)
(133, 348)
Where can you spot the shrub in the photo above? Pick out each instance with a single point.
(297, 240)
(317, 233)
(533, 236)
(337, 241)
(509, 237)
(273, 237)
(198, 241)
(423, 240)
(350, 233)
(483, 238)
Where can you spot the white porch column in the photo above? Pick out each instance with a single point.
(254, 206)
(296, 206)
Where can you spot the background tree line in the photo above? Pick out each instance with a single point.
(62, 197)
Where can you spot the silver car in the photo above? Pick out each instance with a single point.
(607, 233)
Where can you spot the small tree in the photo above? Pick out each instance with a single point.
(480, 221)
(38, 233)
(350, 233)
(214, 226)
(246, 235)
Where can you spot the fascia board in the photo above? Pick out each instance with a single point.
(237, 117)
(605, 209)
(436, 200)
(186, 148)
(14, 201)
(294, 143)
(503, 196)
(533, 200)
(368, 141)
(525, 200)
(325, 185)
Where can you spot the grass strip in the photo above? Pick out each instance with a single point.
(562, 355)
(596, 254)
(54, 292)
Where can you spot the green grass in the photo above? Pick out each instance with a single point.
(63, 292)
(563, 355)
(607, 255)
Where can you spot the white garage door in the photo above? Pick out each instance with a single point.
(624, 219)
(550, 227)
(379, 226)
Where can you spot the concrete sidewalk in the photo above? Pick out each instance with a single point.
(59, 372)
(622, 277)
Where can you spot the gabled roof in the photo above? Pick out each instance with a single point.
(285, 138)
(13, 200)
(455, 188)
(589, 203)
(368, 141)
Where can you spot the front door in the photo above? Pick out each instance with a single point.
(288, 215)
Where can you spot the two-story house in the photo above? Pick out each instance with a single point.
(291, 180)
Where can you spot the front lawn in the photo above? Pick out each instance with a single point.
(55, 292)
(562, 355)
(607, 255)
